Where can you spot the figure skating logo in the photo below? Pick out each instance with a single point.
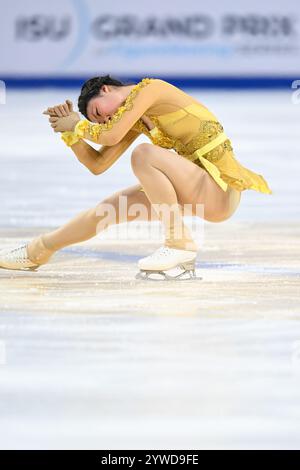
(81, 10)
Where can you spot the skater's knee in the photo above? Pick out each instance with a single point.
(140, 155)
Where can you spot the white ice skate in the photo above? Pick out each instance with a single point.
(165, 258)
(17, 258)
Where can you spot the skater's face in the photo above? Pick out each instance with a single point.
(101, 107)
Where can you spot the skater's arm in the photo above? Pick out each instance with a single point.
(147, 93)
(85, 154)
(109, 154)
(98, 161)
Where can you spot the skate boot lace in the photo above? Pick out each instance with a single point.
(160, 252)
(18, 254)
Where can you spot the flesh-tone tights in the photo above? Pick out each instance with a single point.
(169, 181)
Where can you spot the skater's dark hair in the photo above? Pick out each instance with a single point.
(92, 87)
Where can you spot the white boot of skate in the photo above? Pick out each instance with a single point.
(166, 258)
(17, 258)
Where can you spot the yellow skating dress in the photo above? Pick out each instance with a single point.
(181, 123)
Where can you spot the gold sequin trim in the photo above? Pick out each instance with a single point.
(208, 131)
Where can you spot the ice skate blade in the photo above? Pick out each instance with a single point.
(32, 268)
(144, 274)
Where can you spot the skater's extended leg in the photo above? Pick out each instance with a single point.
(89, 223)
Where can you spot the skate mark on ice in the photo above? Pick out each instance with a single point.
(238, 267)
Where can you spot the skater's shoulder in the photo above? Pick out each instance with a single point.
(155, 82)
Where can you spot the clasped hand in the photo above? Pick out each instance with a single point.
(62, 117)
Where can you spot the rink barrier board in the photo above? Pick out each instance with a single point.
(258, 82)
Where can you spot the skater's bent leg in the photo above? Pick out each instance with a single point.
(89, 223)
(168, 180)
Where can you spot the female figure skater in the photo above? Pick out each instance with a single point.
(202, 170)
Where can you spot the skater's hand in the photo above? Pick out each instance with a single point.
(60, 110)
(66, 123)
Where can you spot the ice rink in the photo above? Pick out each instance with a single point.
(92, 358)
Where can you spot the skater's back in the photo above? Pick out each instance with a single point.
(180, 122)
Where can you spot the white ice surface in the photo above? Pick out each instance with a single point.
(151, 367)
